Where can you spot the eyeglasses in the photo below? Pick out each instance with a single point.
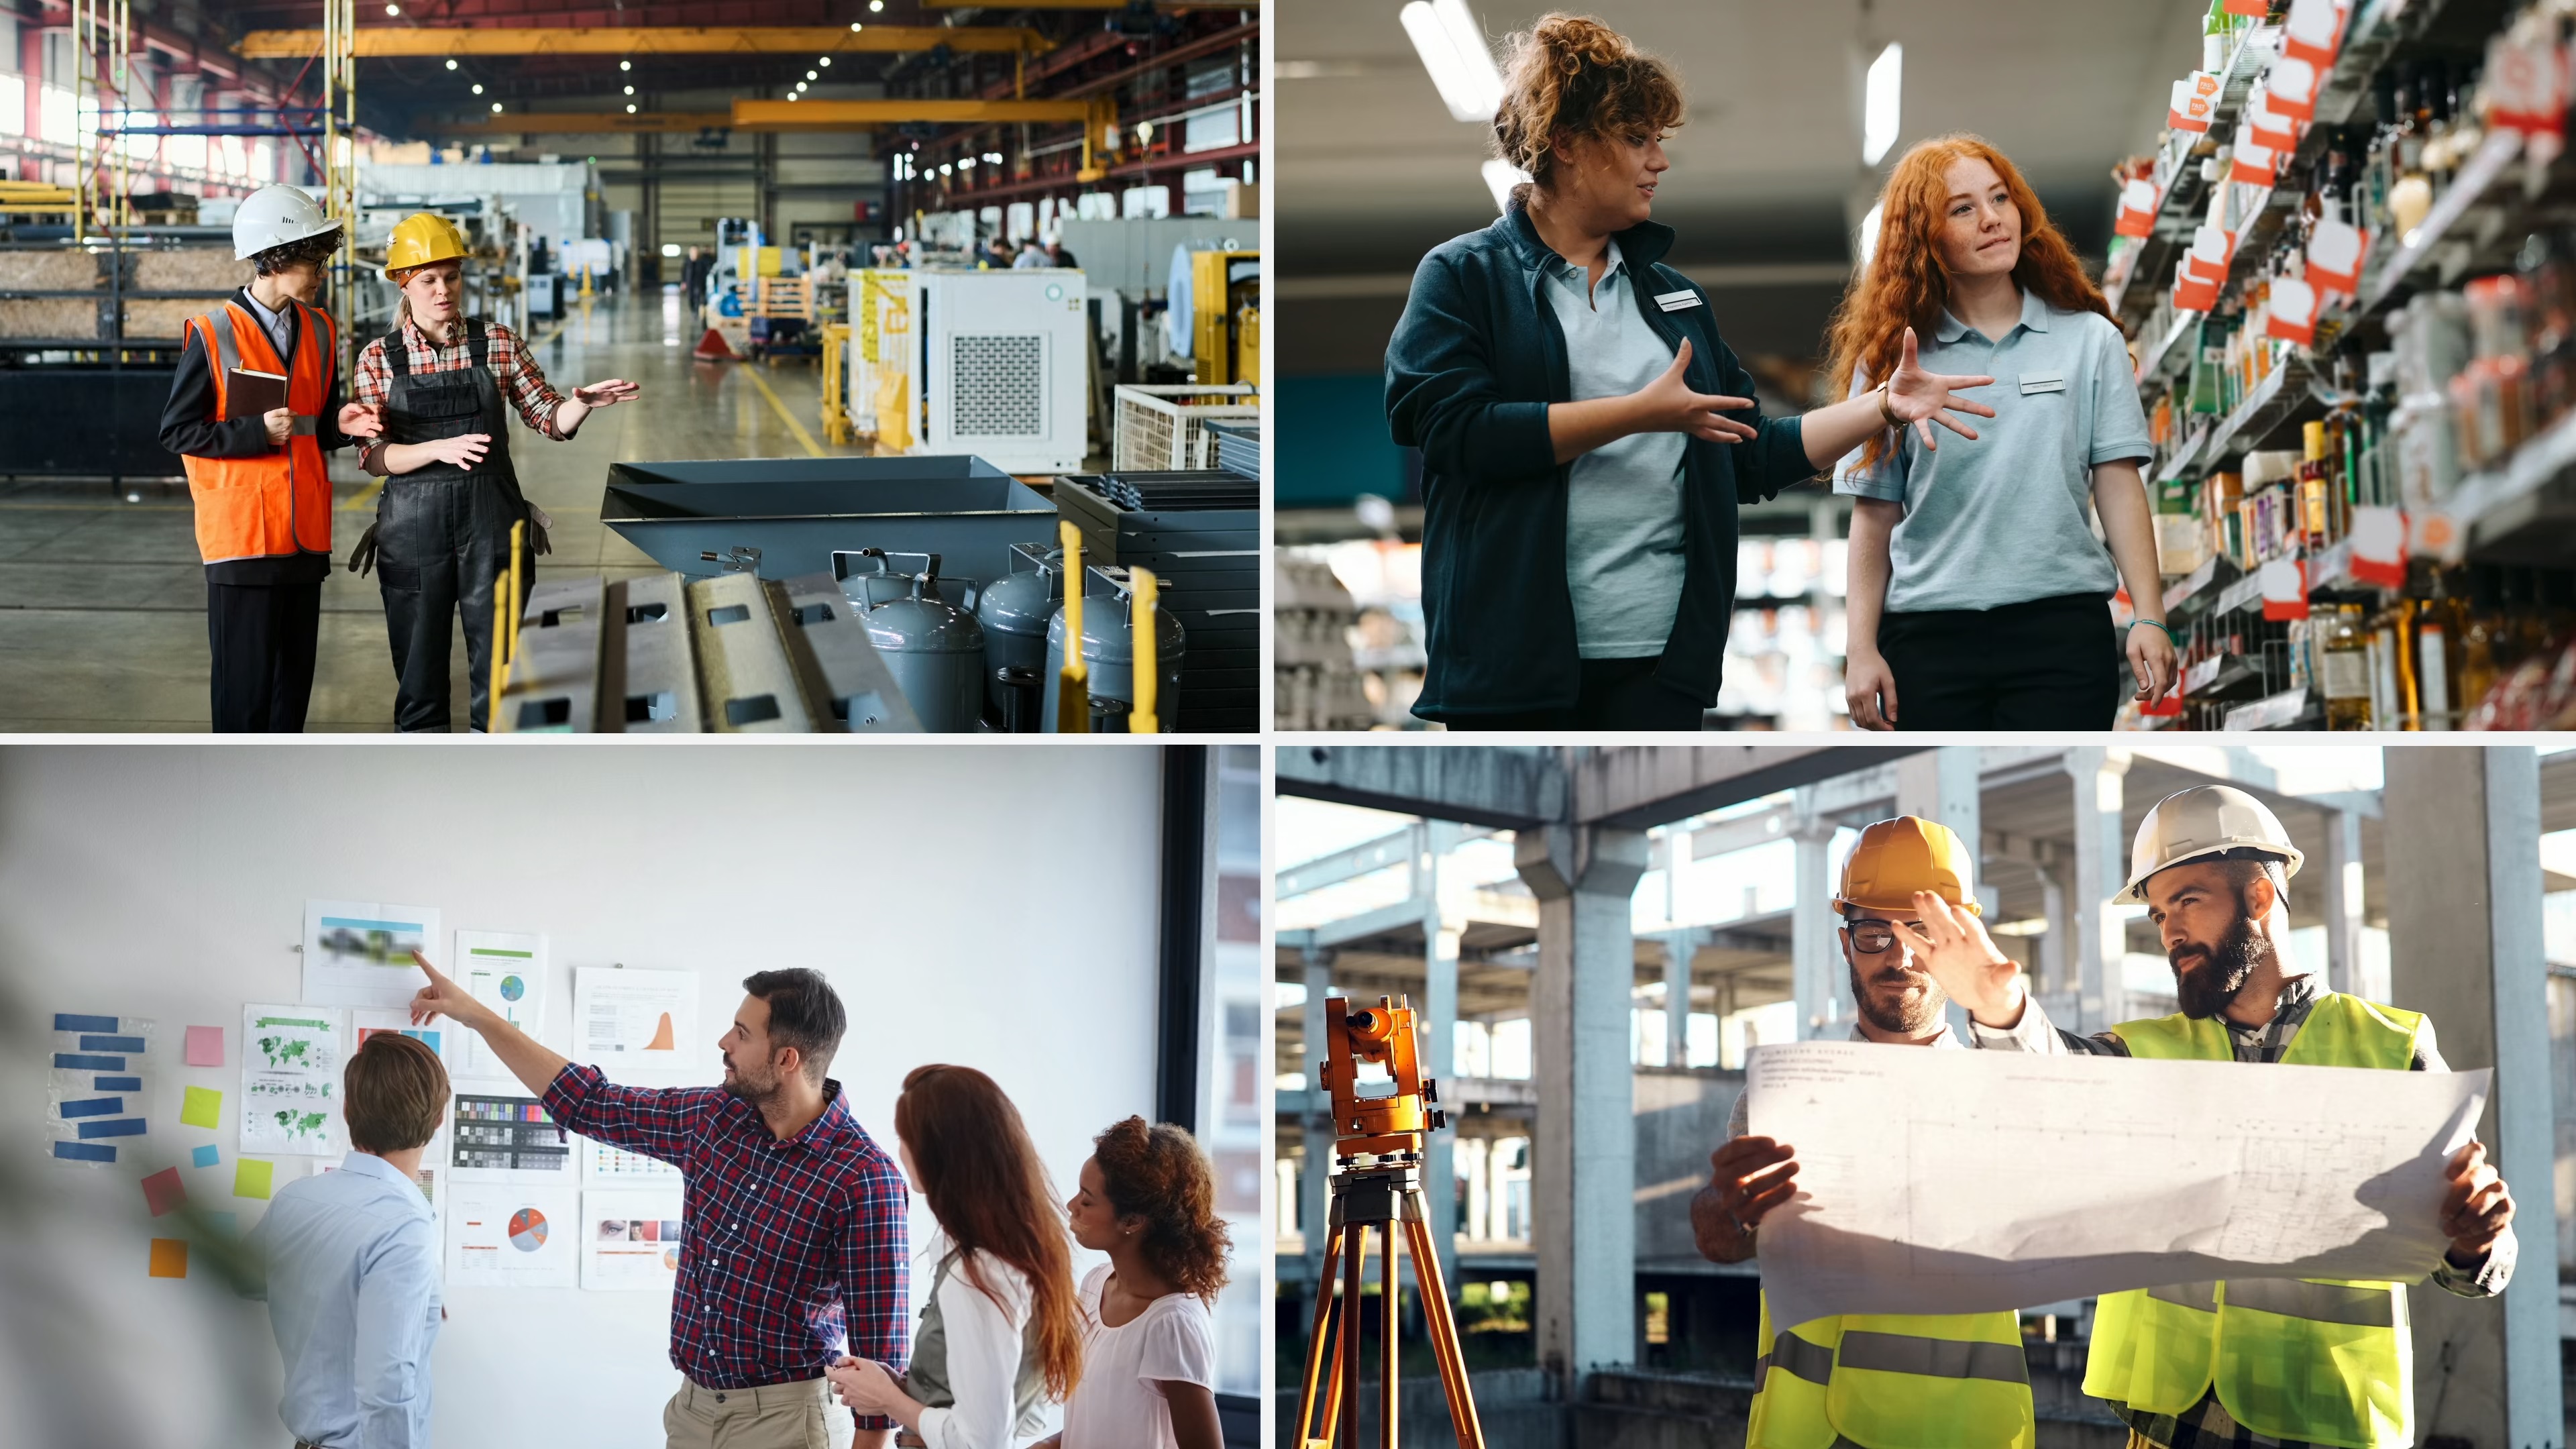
(1872, 937)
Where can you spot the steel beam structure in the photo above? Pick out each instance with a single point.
(379, 42)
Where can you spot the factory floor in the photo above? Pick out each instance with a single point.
(102, 597)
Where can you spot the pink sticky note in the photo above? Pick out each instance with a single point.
(205, 1046)
(163, 1191)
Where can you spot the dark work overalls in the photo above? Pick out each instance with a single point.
(443, 532)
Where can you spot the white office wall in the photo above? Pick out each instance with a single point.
(994, 907)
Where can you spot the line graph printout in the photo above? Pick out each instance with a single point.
(1969, 1182)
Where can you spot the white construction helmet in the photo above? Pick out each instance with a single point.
(2203, 822)
(273, 216)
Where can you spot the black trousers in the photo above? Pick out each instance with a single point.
(262, 638)
(442, 546)
(2049, 664)
(1616, 694)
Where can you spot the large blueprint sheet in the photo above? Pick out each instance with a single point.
(1965, 1182)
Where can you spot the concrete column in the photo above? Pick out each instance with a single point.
(2464, 927)
(1818, 978)
(2341, 879)
(2099, 938)
(1434, 839)
(2054, 973)
(1941, 784)
(1583, 1178)
(1679, 948)
(1314, 1182)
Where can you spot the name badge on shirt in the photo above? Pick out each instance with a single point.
(1676, 301)
(2032, 382)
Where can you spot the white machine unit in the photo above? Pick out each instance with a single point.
(1002, 367)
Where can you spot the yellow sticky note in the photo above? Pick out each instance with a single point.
(251, 1177)
(203, 1107)
(169, 1258)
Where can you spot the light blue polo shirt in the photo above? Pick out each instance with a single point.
(2006, 519)
(1623, 510)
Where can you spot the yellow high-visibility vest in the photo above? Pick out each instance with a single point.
(1893, 1381)
(2327, 1362)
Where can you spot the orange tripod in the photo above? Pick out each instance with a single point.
(1377, 1153)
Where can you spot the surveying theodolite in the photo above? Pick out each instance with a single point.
(1377, 1182)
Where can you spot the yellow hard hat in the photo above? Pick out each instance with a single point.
(2203, 822)
(421, 238)
(1895, 858)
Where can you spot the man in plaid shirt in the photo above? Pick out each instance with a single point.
(793, 1248)
(2212, 865)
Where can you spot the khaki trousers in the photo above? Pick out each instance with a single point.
(773, 1416)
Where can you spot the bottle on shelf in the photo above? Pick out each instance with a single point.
(2344, 674)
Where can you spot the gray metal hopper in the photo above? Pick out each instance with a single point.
(782, 517)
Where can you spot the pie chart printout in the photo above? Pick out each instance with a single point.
(527, 1230)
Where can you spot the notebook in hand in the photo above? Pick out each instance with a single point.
(248, 394)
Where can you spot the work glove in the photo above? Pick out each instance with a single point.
(538, 523)
(363, 557)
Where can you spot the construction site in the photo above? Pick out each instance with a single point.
(1594, 941)
(936, 292)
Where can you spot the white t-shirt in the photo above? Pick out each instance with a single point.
(1117, 1406)
(983, 1357)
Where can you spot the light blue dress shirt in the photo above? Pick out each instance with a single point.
(2005, 519)
(353, 1295)
(1623, 503)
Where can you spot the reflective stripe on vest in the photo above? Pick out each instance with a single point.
(2329, 1363)
(277, 504)
(1884, 1381)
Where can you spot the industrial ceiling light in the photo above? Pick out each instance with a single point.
(1865, 244)
(392, 9)
(945, 168)
(630, 90)
(496, 107)
(1500, 177)
(451, 62)
(630, 108)
(1452, 47)
(622, 65)
(1880, 96)
(810, 75)
(876, 7)
(854, 25)
(478, 88)
(825, 60)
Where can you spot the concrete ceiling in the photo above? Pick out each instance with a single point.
(1769, 158)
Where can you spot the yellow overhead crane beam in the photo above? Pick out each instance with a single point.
(381, 41)
(581, 123)
(858, 115)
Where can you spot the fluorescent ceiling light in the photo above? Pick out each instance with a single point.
(1866, 242)
(1453, 50)
(1500, 177)
(1880, 98)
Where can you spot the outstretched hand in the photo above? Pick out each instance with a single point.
(1672, 407)
(441, 997)
(607, 394)
(1923, 398)
(1954, 948)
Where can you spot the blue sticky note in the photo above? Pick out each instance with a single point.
(117, 1084)
(68, 1021)
(114, 1044)
(205, 1156)
(71, 1062)
(121, 1127)
(94, 1107)
(85, 1151)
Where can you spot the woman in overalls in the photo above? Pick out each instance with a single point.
(441, 539)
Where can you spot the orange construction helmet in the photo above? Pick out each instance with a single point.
(1895, 858)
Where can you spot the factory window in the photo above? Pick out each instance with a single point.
(55, 116)
(13, 105)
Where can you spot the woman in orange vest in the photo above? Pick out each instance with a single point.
(256, 474)
(442, 534)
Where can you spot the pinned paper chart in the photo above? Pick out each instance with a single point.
(506, 971)
(601, 1163)
(505, 1235)
(290, 1080)
(644, 1020)
(499, 1138)
(439, 1036)
(358, 953)
(96, 1095)
(630, 1239)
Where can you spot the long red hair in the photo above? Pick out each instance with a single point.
(989, 1190)
(1905, 284)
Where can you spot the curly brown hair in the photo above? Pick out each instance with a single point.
(1571, 76)
(1156, 1172)
(312, 250)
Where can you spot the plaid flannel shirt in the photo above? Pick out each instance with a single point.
(2207, 1424)
(790, 1252)
(521, 382)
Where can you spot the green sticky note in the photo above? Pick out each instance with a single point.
(251, 1177)
(203, 1107)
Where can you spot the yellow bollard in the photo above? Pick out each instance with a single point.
(1144, 608)
(1073, 686)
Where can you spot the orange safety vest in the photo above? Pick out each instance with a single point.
(277, 504)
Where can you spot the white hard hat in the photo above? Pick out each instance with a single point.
(2201, 822)
(273, 216)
